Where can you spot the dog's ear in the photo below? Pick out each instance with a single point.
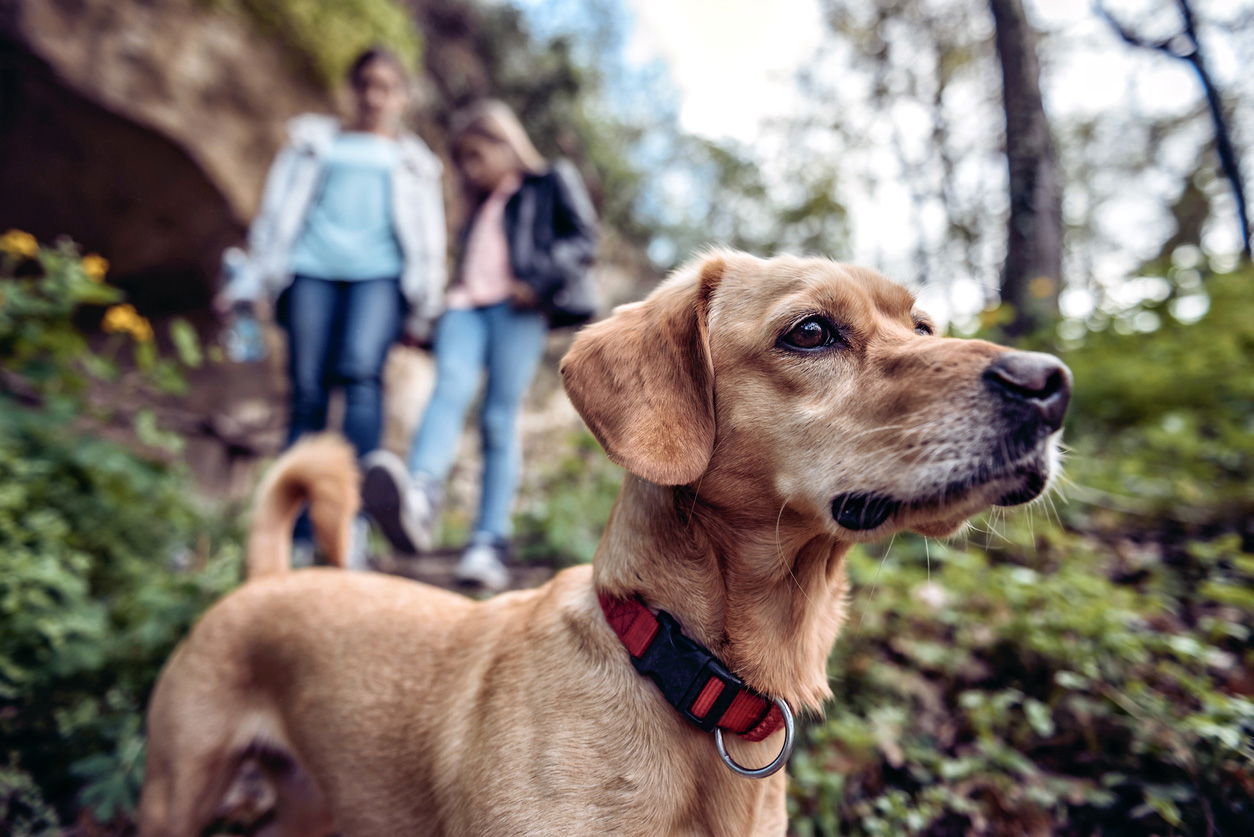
(643, 382)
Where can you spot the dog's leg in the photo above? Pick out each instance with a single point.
(301, 810)
(182, 791)
(195, 744)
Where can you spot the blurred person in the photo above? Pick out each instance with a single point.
(350, 245)
(522, 267)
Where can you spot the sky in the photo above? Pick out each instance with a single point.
(734, 62)
(733, 65)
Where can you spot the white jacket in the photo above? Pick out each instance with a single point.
(417, 215)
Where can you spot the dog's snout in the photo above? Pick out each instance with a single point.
(1033, 378)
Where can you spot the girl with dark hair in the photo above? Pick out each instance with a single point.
(522, 266)
(350, 243)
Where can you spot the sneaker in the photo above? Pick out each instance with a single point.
(482, 566)
(404, 511)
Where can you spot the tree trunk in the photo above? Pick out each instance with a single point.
(1033, 271)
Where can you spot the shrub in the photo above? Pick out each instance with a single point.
(90, 533)
(564, 513)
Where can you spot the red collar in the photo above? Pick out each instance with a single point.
(692, 679)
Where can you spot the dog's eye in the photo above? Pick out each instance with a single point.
(923, 328)
(809, 334)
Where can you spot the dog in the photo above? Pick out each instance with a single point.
(769, 414)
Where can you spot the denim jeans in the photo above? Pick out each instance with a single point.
(507, 345)
(338, 334)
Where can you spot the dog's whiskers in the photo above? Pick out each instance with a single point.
(874, 583)
(779, 553)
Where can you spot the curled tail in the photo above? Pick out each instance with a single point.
(318, 471)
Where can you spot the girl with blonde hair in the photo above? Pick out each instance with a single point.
(523, 258)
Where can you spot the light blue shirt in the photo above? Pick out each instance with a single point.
(349, 231)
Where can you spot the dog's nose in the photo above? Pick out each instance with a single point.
(1035, 379)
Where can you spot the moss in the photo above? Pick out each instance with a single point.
(331, 33)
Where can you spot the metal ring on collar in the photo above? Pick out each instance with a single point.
(780, 760)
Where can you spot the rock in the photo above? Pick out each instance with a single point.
(143, 131)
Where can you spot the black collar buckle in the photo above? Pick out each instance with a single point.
(682, 668)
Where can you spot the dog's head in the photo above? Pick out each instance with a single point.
(819, 386)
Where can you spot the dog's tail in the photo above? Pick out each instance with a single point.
(318, 471)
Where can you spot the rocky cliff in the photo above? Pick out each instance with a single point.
(142, 130)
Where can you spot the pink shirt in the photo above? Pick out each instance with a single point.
(485, 274)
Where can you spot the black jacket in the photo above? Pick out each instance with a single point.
(551, 230)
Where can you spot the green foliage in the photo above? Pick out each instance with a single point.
(331, 33)
(1169, 414)
(38, 342)
(566, 513)
(46, 293)
(90, 538)
(1018, 680)
(22, 808)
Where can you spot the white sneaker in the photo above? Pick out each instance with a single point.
(404, 511)
(481, 566)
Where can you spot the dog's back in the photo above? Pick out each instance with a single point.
(319, 472)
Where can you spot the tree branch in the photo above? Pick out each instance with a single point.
(1192, 54)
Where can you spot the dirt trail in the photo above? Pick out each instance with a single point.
(437, 568)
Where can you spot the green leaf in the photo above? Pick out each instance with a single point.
(186, 342)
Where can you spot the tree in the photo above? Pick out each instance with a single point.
(1033, 268)
(1186, 47)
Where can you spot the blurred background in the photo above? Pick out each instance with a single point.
(1056, 174)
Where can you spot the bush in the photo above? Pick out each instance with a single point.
(561, 521)
(90, 533)
(1018, 688)
(1165, 419)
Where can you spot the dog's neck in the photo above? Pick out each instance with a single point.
(766, 595)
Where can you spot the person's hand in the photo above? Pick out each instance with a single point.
(522, 295)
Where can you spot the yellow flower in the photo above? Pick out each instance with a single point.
(95, 266)
(18, 243)
(125, 319)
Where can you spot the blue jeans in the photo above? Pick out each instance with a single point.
(338, 335)
(507, 344)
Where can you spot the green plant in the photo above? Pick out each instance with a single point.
(1168, 414)
(984, 687)
(331, 33)
(104, 559)
(561, 521)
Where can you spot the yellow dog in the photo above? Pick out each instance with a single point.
(770, 413)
